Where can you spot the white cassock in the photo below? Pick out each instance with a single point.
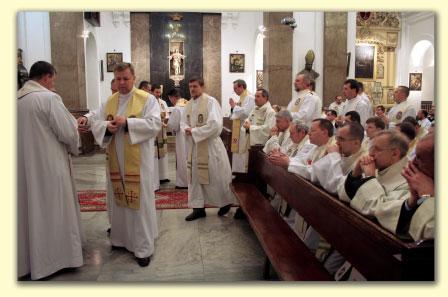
(399, 112)
(360, 106)
(49, 229)
(261, 119)
(337, 107)
(241, 113)
(368, 102)
(163, 161)
(425, 123)
(134, 229)
(305, 108)
(217, 192)
(388, 185)
(282, 142)
(181, 147)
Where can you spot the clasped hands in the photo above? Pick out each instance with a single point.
(116, 123)
(366, 165)
(278, 158)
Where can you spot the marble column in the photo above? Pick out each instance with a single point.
(140, 39)
(335, 55)
(277, 57)
(68, 57)
(211, 54)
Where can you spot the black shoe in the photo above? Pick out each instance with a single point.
(196, 214)
(143, 262)
(239, 214)
(114, 247)
(223, 210)
(162, 181)
(180, 188)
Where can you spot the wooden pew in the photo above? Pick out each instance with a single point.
(375, 252)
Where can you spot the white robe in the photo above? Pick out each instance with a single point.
(163, 161)
(309, 110)
(360, 106)
(217, 192)
(48, 230)
(399, 112)
(337, 107)
(181, 147)
(134, 229)
(241, 113)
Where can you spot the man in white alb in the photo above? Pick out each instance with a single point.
(209, 173)
(307, 106)
(127, 125)
(354, 101)
(48, 225)
(402, 107)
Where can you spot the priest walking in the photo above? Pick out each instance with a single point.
(208, 166)
(127, 124)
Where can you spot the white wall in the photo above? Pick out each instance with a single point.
(33, 37)
(417, 27)
(111, 37)
(309, 34)
(238, 35)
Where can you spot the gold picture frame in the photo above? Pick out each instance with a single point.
(236, 63)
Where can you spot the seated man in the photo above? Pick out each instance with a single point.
(414, 214)
(373, 126)
(364, 188)
(280, 139)
(422, 116)
(298, 136)
(408, 130)
(381, 113)
(321, 136)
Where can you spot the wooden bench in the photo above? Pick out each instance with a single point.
(289, 256)
(375, 252)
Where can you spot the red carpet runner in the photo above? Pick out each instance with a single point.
(95, 200)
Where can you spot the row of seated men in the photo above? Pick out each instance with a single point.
(382, 169)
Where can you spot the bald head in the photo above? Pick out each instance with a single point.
(424, 155)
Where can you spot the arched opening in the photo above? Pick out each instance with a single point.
(422, 61)
(92, 74)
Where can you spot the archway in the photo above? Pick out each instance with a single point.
(421, 60)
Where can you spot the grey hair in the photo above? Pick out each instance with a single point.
(284, 114)
(300, 126)
(396, 140)
(306, 78)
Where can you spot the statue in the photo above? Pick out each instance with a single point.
(309, 59)
(177, 58)
(22, 73)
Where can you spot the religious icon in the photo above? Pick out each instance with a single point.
(112, 59)
(415, 81)
(200, 119)
(177, 61)
(236, 63)
(364, 61)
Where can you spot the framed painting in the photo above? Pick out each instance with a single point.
(364, 61)
(259, 79)
(236, 62)
(112, 59)
(415, 81)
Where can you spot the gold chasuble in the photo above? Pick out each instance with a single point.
(161, 141)
(202, 146)
(127, 192)
(236, 126)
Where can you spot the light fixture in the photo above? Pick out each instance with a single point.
(85, 34)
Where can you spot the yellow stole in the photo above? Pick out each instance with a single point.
(161, 141)
(202, 146)
(127, 192)
(236, 126)
(299, 100)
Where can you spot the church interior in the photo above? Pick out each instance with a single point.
(382, 50)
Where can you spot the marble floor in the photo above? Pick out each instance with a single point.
(214, 249)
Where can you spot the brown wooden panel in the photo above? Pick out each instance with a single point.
(375, 252)
(289, 256)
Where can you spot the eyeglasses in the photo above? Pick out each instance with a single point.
(374, 149)
(342, 139)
